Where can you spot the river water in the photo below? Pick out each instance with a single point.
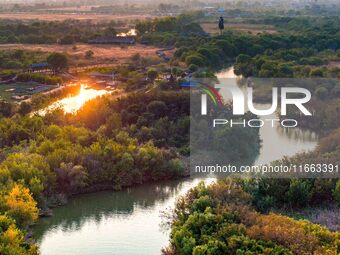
(129, 222)
(73, 103)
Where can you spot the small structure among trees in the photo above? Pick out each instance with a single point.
(39, 67)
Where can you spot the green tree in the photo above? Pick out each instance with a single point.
(25, 167)
(299, 192)
(157, 108)
(195, 59)
(57, 61)
(24, 108)
(71, 178)
(321, 93)
(152, 74)
(5, 108)
(336, 193)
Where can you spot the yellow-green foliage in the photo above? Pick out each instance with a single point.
(17, 208)
(301, 237)
(218, 219)
(21, 205)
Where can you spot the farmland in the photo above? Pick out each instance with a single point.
(102, 54)
(76, 16)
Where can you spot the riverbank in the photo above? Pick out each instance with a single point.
(135, 211)
(126, 221)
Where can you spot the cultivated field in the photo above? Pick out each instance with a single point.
(103, 54)
(212, 28)
(20, 89)
(77, 16)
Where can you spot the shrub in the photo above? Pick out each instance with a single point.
(41, 78)
(321, 92)
(21, 205)
(336, 193)
(193, 68)
(89, 54)
(299, 193)
(152, 74)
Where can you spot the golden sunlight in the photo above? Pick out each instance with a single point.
(72, 104)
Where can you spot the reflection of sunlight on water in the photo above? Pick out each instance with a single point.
(80, 99)
(131, 32)
(74, 103)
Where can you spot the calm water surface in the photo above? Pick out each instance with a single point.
(276, 142)
(128, 222)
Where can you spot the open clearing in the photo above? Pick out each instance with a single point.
(212, 28)
(77, 16)
(103, 54)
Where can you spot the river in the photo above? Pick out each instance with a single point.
(129, 222)
(73, 103)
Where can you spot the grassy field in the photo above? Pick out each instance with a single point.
(103, 54)
(212, 28)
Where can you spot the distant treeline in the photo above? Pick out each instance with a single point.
(167, 31)
(44, 32)
(323, 24)
(265, 55)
